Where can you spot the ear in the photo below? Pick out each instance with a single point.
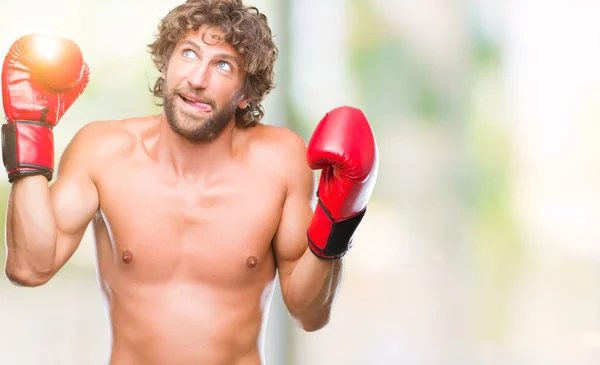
(243, 103)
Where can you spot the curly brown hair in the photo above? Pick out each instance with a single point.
(242, 27)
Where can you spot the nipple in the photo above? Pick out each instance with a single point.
(251, 261)
(127, 257)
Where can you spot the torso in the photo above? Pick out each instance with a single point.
(187, 268)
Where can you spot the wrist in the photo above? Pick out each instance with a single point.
(329, 238)
(28, 149)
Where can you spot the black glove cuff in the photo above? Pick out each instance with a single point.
(9, 155)
(339, 240)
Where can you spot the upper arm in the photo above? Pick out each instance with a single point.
(74, 195)
(290, 241)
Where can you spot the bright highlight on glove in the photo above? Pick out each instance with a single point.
(47, 47)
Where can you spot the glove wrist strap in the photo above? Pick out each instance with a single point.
(27, 149)
(330, 239)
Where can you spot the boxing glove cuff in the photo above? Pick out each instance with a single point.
(328, 238)
(27, 149)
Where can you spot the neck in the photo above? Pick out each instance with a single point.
(191, 159)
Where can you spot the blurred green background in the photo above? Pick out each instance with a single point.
(481, 244)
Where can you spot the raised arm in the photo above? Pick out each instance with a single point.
(309, 246)
(41, 78)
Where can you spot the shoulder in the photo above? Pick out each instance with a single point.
(285, 151)
(100, 138)
(278, 141)
(100, 141)
(281, 147)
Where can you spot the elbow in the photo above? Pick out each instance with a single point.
(26, 278)
(313, 324)
(309, 318)
(314, 327)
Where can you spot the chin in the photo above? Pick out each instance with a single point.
(194, 130)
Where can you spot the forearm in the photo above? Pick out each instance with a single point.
(30, 231)
(311, 290)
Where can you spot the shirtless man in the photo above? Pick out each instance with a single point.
(193, 210)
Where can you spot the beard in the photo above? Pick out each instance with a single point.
(197, 128)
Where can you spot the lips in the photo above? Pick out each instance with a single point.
(196, 103)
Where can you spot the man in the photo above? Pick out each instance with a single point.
(193, 210)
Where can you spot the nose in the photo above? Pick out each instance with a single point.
(199, 76)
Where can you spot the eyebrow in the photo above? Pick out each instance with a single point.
(226, 56)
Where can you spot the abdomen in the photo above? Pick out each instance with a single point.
(186, 323)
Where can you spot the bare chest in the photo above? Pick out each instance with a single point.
(152, 231)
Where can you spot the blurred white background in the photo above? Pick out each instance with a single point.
(481, 244)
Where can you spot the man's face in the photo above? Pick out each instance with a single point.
(203, 83)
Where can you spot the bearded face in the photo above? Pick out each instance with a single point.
(197, 117)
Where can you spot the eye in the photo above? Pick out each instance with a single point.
(188, 53)
(224, 65)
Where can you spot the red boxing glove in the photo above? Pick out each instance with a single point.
(344, 147)
(41, 78)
